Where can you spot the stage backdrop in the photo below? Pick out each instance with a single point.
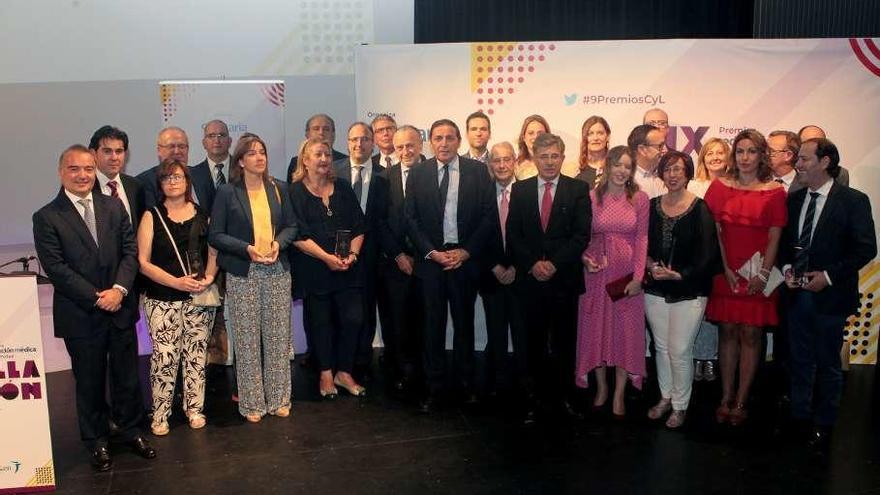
(710, 88)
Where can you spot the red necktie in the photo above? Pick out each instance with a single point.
(502, 214)
(113, 188)
(546, 205)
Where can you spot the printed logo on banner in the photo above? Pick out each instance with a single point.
(868, 53)
(693, 138)
(274, 94)
(29, 389)
(498, 68)
(570, 99)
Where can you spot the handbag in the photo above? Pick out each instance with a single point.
(208, 298)
(616, 288)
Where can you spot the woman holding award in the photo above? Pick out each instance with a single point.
(749, 211)
(331, 233)
(252, 226)
(682, 258)
(611, 313)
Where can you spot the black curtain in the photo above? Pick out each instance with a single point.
(446, 21)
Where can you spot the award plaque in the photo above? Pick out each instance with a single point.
(343, 243)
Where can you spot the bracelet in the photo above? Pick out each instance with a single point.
(765, 271)
(762, 277)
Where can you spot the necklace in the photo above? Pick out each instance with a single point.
(320, 194)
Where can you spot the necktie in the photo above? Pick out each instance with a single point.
(546, 205)
(114, 188)
(444, 184)
(358, 182)
(89, 218)
(388, 162)
(801, 258)
(405, 174)
(221, 179)
(503, 208)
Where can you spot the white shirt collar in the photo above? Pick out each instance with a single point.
(103, 179)
(75, 199)
(213, 165)
(452, 163)
(825, 188)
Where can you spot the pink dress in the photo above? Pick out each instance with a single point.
(613, 333)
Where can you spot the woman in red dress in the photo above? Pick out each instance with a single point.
(749, 211)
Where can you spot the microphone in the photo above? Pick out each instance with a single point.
(24, 260)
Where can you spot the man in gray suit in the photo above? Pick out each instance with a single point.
(783, 150)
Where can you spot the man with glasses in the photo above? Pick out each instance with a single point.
(214, 169)
(371, 189)
(319, 126)
(547, 229)
(783, 150)
(658, 118)
(647, 144)
(384, 127)
(173, 144)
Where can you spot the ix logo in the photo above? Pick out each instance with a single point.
(16, 464)
(570, 99)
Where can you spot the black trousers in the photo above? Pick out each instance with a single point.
(335, 322)
(116, 348)
(370, 296)
(456, 291)
(551, 319)
(503, 315)
(401, 316)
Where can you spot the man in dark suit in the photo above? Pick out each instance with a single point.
(216, 142)
(479, 131)
(449, 215)
(496, 286)
(371, 189)
(783, 149)
(811, 131)
(87, 247)
(829, 237)
(548, 228)
(319, 126)
(384, 126)
(173, 144)
(399, 300)
(110, 147)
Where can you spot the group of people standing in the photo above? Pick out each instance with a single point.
(571, 260)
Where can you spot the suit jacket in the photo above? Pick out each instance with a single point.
(376, 210)
(392, 228)
(232, 224)
(291, 167)
(202, 184)
(567, 235)
(134, 192)
(79, 269)
(843, 242)
(843, 177)
(497, 252)
(424, 213)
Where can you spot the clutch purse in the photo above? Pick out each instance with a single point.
(616, 288)
(208, 298)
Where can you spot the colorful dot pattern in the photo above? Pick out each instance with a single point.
(498, 69)
(860, 333)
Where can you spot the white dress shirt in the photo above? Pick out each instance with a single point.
(541, 188)
(788, 178)
(820, 204)
(648, 182)
(212, 166)
(384, 162)
(450, 211)
(105, 190)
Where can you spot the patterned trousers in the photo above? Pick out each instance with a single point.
(179, 330)
(258, 308)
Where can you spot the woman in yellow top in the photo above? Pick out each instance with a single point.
(252, 226)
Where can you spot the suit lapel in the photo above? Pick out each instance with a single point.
(242, 196)
(71, 217)
(831, 203)
(102, 219)
(274, 205)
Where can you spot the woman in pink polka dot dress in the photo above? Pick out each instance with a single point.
(612, 333)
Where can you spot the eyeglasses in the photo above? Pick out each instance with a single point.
(216, 135)
(503, 159)
(776, 152)
(361, 139)
(172, 179)
(175, 146)
(658, 123)
(659, 146)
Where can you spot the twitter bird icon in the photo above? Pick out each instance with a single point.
(570, 99)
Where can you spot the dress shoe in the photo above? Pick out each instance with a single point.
(355, 390)
(142, 447)
(101, 459)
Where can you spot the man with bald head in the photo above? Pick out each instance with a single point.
(399, 302)
(173, 144)
(812, 131)
(658, 118)
(319, 126)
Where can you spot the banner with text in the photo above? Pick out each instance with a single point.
(25, 442)
(709, 88)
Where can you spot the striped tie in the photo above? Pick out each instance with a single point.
(801, 258)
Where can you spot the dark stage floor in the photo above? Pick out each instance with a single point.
(380, 445)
